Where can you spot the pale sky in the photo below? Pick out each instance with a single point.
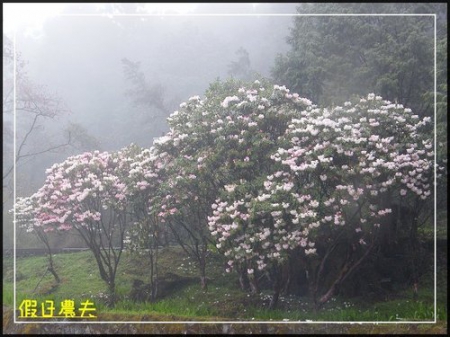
(27, 16)
(30, 17)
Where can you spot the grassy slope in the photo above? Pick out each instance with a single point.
(186, 302)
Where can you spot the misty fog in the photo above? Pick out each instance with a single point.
(78, 56)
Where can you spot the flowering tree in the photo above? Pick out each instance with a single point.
(342, 169)
(213, 143)
(25, 217)
(147, 233)
(85, 193)
(187, 191)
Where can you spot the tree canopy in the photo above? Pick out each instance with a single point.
(334, 57)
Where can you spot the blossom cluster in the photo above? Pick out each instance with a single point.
(77, 193)
(335, 168)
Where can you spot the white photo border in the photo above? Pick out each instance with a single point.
(16, 321)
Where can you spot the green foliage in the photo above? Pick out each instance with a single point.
(334, 57)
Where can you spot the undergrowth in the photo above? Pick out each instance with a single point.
(223, 299)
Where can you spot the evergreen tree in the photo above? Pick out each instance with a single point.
(333, 57)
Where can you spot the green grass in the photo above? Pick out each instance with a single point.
(223, 301)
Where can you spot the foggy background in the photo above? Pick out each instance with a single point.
(79, 59)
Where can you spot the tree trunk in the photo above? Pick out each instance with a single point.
(112, 294)
(329, 294)
(55, 275)
(153, 284)
(203, 279)
(348, 267)
(277, 285)
(274, 300)
(243, 279)
(317, 276)
(43, 237)
(51, 267)
(254, 287)
(414, 255)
